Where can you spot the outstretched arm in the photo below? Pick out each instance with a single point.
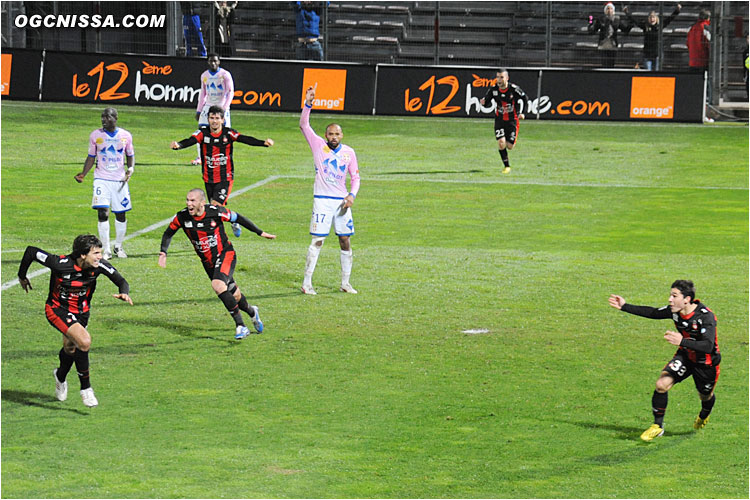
(247, 223)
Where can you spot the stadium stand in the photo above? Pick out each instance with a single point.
(474, 33)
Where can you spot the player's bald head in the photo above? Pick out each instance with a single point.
(197, 193)
(334, 126)
(110, 112)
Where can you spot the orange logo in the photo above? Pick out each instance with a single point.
(331, 87)
(7, 60)
(652, 97)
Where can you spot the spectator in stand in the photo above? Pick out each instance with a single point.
(607, 26)
(224, 18)
(651, 27)
(745, 64)
(308, 31)
(699, 44)
(191, 27)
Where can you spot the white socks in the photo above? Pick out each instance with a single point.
(346, 266)
(120, 230)
(104, 235)
(313, 251)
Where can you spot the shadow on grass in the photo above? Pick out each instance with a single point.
(191, 332)
(37, 399)
(627, 433)
(427, 172)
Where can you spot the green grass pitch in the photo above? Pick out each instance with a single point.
(382, 394)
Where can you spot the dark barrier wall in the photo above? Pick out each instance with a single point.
(168, 81)
(350, 88)
(565, 94)
(20, 74)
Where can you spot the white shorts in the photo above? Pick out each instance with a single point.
(114, 195)
(327, 211)
(203, 120)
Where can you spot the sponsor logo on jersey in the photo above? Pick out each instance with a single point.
(205, 244)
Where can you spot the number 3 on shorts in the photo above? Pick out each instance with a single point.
(677, 366)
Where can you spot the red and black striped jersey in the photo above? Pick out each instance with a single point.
(699, 338)
(71, 287)
(217, 151)
(509, 102)
(206, 232)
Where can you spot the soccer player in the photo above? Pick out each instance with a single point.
(71, 286)
(215, 143)
(204, 226)
(331, 200)
(110, 147)
(510, 105)
(217, 89)
(697, 351)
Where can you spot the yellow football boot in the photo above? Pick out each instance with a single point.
(652, 432)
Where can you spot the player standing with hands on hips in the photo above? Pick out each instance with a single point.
(110, 147)
(71, 286)
(510, 104)
(332, 202)
(697, 354)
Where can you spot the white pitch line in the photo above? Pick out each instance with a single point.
(416, 178)
(148, 229)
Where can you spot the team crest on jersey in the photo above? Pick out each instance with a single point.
(99, 140)
(213, 223)
(189, 224)
(224, 140)
(326, 149)
(346, 158)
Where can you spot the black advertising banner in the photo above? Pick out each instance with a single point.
(443, 90)
(565, 94)
(20, 73)
(610, 95)
(170, 81)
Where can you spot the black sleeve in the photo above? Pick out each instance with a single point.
(187, 142)
(634, 22)
(670, 18)
(648, 312)
(522, 101)
(166, 238)
(595, 26)
(250, 140)
(245, 222)
(705, 343)
(114, 276)
(488, 94)
(30, 255)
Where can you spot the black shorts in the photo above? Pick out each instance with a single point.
(223, 268)
(218, 191)
(507, 130)
(704, 377)
(62, 319)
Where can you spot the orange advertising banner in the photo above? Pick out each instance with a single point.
(330, 87)
(652, 97)
(5, 65)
